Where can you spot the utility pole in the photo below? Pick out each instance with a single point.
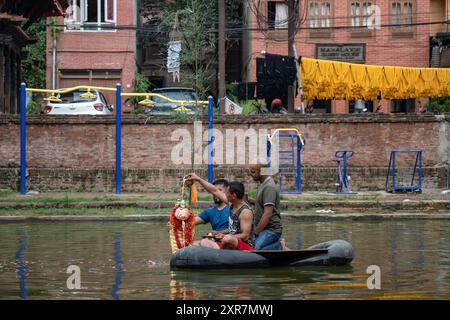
(221, 75)
(292, 14)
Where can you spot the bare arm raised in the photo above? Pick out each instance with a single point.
(192, 177)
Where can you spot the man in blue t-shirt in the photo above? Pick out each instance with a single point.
(217, 215)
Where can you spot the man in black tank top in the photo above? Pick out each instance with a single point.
(241, 233)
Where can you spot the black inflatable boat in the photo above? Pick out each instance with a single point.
(331, 253)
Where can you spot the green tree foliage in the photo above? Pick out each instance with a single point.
(34, 66)
(141, 84)
(440, 105)
(197, 54)
(197, 29)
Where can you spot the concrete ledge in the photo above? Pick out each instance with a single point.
(286, 217)
(132, 218)
(382, 205)
(231, 119)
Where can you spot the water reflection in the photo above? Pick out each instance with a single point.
(118, 266)
(22, 267)
(298, 239)
(274, 283)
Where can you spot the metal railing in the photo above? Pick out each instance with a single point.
(118, 107)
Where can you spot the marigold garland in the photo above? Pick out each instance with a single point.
(183, 231)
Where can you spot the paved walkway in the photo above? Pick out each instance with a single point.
(150, 206)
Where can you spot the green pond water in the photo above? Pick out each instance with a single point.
(130, 260)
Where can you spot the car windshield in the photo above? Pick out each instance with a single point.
(75, 97)
(175, 95)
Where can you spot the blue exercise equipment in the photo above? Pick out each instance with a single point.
(404, 178)
(289, 145)
(343, 184)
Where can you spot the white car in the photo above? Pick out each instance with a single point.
(74, 103)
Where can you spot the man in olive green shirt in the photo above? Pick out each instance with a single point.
(267, 212)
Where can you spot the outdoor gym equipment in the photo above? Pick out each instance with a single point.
(119, 95)
(404, 171)
(287, 144)
(53, 98)
(182, 108)
(343, 185)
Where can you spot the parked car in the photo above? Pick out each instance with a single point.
(74, 103)
(164, 107)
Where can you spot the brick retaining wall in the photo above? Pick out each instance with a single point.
(78, 152)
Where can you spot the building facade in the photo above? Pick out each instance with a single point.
(90, 49)
(398, 35)
(151, 58)
(15, 18)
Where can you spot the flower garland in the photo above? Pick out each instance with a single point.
(183, 230)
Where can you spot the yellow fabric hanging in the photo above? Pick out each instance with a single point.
(389, 88)
(402, 83)
(427, 76)
(435, 83)
(340, 80)
(444, 82)
(325, 79)
(375, 79)
(323, 75)
(411, 76)
(359, 82)
(308, 75)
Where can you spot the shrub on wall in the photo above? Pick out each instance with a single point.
(439, 105)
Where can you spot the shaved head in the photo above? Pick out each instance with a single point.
(258, 172)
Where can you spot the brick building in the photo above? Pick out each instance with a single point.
(89, 50)
(152, 62)
(92, 51)
(15, 18)
(337, 30)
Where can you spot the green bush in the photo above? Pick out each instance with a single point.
(33, 108)
(232, 90)
(439, 105)
(34, 65)
(81, 188)
(248, 106)
(251, 106)
(141, 84)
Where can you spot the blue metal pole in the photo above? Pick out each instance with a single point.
(345, 172)
(420, 170)
(210, 139)
(269, 164)
(22, 267)
(118, 138)
(414, 170)
(119, 268)
(23, 138)
(388, 174)
(299, 173)
(393, 173)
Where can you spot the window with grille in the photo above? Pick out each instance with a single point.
(362, 18)
(361, 13)
(402, 18)
(320, 18)
(91, 15)
(320, 14)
